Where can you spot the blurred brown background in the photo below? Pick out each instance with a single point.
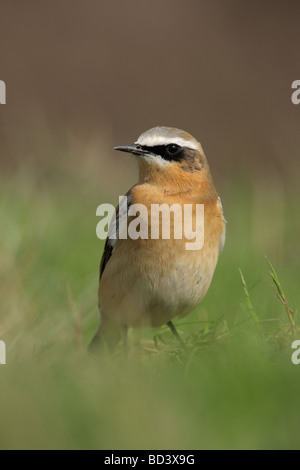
(221, 70)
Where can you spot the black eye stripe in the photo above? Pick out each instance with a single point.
(167, 152)
(187, 158)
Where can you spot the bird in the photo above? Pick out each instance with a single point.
(148, 281)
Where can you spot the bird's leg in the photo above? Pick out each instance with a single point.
(175, 332)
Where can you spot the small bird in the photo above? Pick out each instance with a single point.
(149, 281)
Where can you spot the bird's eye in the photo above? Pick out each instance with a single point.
(173, 149)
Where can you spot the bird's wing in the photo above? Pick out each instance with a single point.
(119, 217)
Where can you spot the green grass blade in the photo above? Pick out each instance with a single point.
(280, 294)
(252, 312)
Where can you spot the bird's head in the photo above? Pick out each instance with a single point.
(170, 158)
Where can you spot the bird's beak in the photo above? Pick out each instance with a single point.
(135, 149)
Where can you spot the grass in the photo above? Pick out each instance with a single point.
(252, 312)
(232, 386)
(281, 296)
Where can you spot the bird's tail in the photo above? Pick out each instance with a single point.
(108, 335)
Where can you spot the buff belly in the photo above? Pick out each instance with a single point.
(167, 285)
